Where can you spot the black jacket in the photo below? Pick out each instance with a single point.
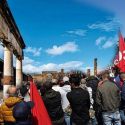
(22, 113)
(52, 101)
(24, 123)
(80, 104)
(92, 82)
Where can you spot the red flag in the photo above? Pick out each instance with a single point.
(40, 115)
(120, 58)
(116, 60)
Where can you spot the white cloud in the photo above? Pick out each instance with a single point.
(59, 50)
(78, 32)
(114, 6)
(105, 43)
(100, 40)
(30, 67)
(27, 60)
(49, 67)
(110, 25)
(34, 51)
(71, 65)
(109, 43)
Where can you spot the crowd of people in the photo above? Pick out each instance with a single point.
(72, 100)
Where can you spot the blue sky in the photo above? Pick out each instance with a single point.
(67, 34)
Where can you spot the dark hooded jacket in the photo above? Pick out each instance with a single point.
(92, 82)
(52, 101)
(80, 105)
(22, 113)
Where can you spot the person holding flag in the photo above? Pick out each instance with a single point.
(119, 62)
(120, 56)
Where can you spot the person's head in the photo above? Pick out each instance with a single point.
(48, 85)
(75, 82)
(122, 76)
(105, 76)
(54, 82)
(23, 90)
(12, 91)
(66, 80)
(83, 81)
(60, 82)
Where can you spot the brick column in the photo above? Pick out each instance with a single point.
(95, 67)
(88, 72)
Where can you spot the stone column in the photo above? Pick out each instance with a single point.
(95, 67)
(88, 72)
(8, 70)
(19, 77)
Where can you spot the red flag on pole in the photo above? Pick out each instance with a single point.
(120, 58)
(40, 115)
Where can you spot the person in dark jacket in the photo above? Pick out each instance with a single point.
(80, 103)
(24, 91)
(42, 90)
(52, 101)
(92, 82)
(22, 113)
(108, 99)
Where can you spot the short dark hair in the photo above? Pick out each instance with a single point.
(75, 81)
(48, 85)
(66, 83)
(105, 74)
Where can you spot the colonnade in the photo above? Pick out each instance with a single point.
(8, 74)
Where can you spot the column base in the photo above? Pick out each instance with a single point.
(5, 89)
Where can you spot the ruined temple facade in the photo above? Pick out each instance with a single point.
(13, 43)
(45, 74)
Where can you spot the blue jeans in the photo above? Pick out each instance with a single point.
(67, 119)
(122, 115)
(111, 118)
(93, 121)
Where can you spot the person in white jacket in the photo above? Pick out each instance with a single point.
(63, 91)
